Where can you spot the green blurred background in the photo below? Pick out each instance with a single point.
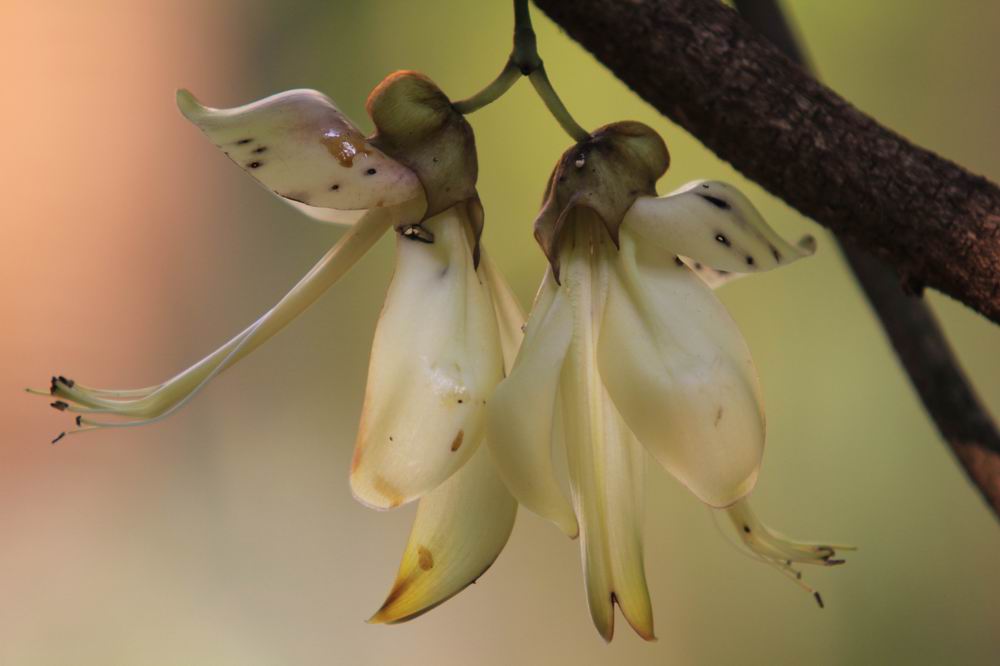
(228, 535)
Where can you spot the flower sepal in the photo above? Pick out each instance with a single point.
(417, 125)
(605, 174)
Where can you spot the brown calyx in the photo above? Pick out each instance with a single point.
(417, 126)
(605, 174)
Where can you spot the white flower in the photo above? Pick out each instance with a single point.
(628, 352)
(448, 322)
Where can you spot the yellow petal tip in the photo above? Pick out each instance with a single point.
(189, 105)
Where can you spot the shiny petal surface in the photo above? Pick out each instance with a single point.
(459, 531)
(606, 463)
(681, 375)
(520, 415)
(301, 147)
(435, 362)
(714, 224)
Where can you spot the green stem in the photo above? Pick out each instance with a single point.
(491, 93)
(540, 80)
(525, 61)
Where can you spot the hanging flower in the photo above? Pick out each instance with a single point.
(448, 323)
(627, 352)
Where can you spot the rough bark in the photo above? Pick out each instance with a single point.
(700, 64)
(909, 323)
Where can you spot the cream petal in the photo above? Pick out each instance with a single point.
(298, 145)
(714, 224)
(150, 404)
(463, 524)
(681, 375)
(710, 276)
(459, 531)
(606, 465)
(435, 361)
(520, 414)
(510, 316)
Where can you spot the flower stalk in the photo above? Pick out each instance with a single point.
(525, 61)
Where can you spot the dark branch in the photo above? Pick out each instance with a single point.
(910, 325)
(701, 65)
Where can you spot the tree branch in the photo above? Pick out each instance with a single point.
(701, 65)
(910, 325)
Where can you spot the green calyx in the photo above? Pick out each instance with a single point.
(604, 174)
(417, 125)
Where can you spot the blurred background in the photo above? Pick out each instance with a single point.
(227, 534)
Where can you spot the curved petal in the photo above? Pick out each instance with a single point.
(510, 316)
(713, 223)
(606, 463)
(301, 147)
(153, 403)
(520, 414)
(459, 531)
(463, 524)
(435, 361)
(712, 277)
(681, 375)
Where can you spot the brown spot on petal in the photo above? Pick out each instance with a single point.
(385, 489)
(718, 416)
(344, 146)
(457, 442)
(424, 558)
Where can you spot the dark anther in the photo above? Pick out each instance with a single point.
(746, 528)
(254, 165)
(749, 260)
(371, 171)
(68, 382)
(722, 239)
(460, 401)
(58, 437)
(417, 233)
(79, 420)
(716, 201)
(53, 386)
(705, 185)
(819, 599)
(60, 405)
(697, 265)
(335, 187)
(260, 150)
(243, 142)
(776, 254)
(677, 260)
(833, 563)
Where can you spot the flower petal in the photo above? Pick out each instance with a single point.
(681, 375)
(510, 316)
(153, 403)
(460, 529)
(606, 463)
(520, 414)
(713, 223)
(710, 276)
(301, 147)
(435, 361)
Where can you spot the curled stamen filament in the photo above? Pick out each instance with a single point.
(766, 545)
(150, 404)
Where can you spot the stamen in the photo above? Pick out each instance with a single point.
(148, 405)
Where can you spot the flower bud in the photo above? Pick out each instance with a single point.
(604, 174)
